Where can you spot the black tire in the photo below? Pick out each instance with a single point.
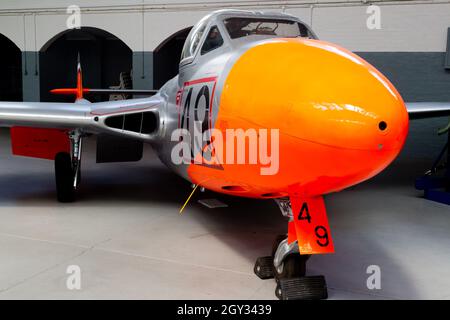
(303, 288)
(65, 191)
(294, 266)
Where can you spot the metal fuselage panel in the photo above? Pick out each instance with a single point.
(185, 98)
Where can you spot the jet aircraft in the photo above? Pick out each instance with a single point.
(261, 108)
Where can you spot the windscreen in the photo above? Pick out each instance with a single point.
(244, 27)
(193, 39)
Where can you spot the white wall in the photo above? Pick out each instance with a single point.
(420, 27)
(406, 25)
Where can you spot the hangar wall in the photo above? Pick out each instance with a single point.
(409, 48)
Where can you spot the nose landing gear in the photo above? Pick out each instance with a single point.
(288, 267)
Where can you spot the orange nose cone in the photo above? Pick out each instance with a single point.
(340, 120)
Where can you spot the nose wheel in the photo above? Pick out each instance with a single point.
(288, 267)
(303, 288)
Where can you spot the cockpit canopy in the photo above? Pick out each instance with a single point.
(245, 27)
(232, 27)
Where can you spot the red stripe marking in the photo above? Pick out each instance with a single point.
(202, 80)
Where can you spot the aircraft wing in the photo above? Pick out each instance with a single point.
(135, 118)
(44, 115)
(419, 110)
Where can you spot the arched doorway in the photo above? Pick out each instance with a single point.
(167, 57)
(103, 57)
(11, 71)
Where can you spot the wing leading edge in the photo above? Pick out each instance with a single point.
(420, 110)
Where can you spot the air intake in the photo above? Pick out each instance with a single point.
(142, 122)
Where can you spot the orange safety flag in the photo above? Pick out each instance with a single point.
(310, 225)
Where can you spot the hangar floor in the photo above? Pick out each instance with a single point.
(129, 240)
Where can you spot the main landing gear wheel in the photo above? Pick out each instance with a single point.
(65, 191)
(67, 169)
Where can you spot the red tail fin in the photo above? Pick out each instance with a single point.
(79, 91)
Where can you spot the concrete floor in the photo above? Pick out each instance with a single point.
(126, 235)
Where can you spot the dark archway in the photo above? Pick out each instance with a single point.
(11, 71)
(103, 58)
(167, 57)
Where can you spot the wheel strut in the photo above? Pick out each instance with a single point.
(76, 142)
(67, 168)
